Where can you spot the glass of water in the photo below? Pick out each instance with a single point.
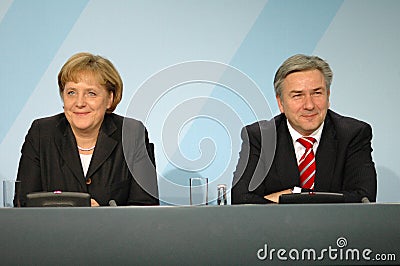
(10, 190)
(198, 191)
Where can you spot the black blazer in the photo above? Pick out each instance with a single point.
(50, 161)
(343, 160)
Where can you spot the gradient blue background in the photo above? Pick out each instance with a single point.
(359, 39)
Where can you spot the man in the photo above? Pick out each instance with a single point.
(308, 147)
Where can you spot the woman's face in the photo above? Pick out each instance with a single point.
(85, 103)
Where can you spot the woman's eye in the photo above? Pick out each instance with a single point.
(70, 93)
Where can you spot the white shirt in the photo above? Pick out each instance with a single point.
(300, 149)
(85, 160)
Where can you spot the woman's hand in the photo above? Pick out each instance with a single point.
(94, 203)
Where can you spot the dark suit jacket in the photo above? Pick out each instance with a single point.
(50, 161)
(343, 160)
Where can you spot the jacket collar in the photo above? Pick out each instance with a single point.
(286, 164)
(67, 147)
(105, 145)
(326, 155)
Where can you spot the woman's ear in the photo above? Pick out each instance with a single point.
(110, 100)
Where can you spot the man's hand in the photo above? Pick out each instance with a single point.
(275, 196)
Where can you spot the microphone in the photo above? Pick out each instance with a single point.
(365, 200)
(112, 203)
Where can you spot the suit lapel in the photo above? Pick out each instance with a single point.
(326, 157)
(286, 165)
(104, 146)
(66, 145)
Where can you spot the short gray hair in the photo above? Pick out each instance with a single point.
(301, 62)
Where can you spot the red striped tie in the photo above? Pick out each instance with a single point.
(307, 163)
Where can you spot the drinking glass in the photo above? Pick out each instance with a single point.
(10, 190)
(198, 191)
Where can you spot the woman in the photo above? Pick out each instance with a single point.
(87, 148)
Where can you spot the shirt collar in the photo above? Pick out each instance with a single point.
(296, 135)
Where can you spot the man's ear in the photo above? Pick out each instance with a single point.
(329, 94)
(280, 104)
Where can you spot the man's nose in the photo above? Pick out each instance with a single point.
(308, 102)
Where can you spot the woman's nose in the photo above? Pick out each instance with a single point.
(80, 100)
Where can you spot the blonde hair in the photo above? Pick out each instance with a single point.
(103, 70)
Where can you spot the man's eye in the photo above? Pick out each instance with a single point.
(91, 93)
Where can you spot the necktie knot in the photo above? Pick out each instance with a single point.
(307, 142)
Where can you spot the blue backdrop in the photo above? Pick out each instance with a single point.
(146, 39)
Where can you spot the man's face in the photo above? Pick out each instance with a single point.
(304, 100)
